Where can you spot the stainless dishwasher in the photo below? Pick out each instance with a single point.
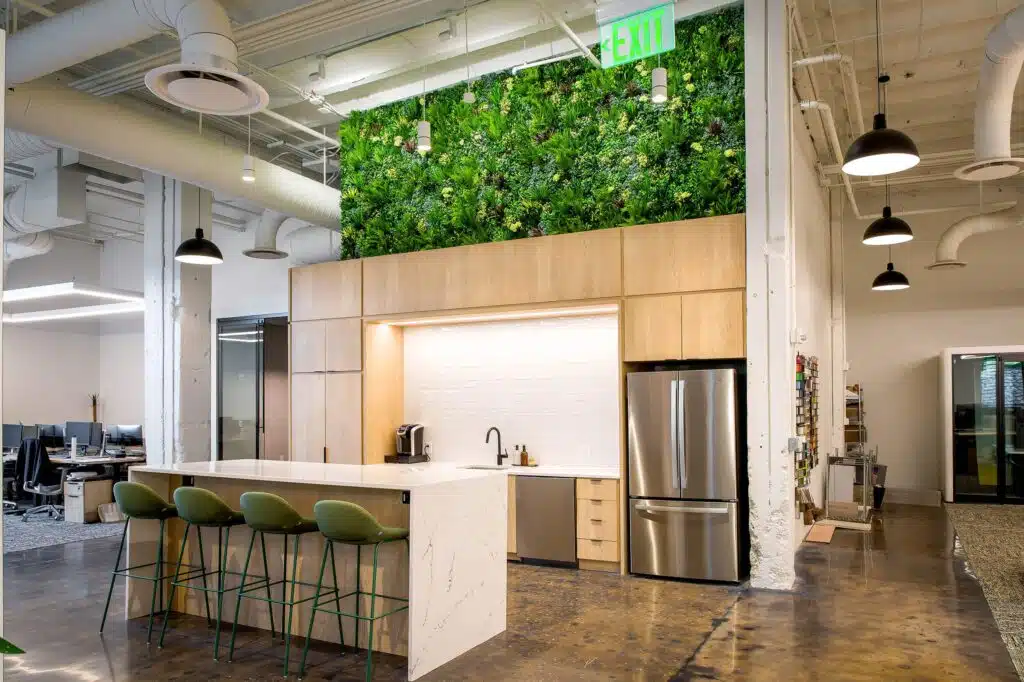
(546, 520)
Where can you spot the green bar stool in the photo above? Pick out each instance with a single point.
(346, 523)
(268, 513)
(140, 502)
(204, 509)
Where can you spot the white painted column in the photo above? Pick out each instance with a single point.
(3, 286)
(770, 354)
(177, 337)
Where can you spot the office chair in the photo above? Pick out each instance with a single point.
(46, 480)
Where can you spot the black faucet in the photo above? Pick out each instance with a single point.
(488, 440)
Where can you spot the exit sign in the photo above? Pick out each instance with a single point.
(638, 36)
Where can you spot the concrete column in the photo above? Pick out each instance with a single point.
(770, 353)
(3, 286)
(178, 336)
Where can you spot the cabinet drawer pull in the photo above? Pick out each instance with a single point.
(597, 481)
(596, 521)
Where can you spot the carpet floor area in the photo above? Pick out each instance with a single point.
(992, 537)
(42, 531)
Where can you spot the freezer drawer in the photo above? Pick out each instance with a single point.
(546, 519)
(680, 539)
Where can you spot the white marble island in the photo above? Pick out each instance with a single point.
(454, 575)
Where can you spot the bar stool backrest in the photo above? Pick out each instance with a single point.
(202, 507)
(139, 501)
(346, 522)
(269, 512)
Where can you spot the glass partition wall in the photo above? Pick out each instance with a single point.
(988, 428)
(252, 388)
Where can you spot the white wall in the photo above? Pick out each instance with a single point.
(49, 375)
(551, 384)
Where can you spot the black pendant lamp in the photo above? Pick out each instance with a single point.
(890, 280)
(881, 150)
(887, 230)
(198, 250)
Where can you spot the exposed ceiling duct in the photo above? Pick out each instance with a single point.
(19, 146)
(311, 245)
(1000, 69)
(266, 228)
(53, 200)
(105, 128)
(27, 245)
(206, 79)
(946, 257)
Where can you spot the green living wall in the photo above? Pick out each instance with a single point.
(559, 148)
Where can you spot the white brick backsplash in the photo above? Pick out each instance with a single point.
(552, 384)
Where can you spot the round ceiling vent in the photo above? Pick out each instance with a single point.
(990, 169)
(946, 265)
(265, 254)
(207, 89)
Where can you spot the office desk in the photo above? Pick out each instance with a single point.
(64, 459)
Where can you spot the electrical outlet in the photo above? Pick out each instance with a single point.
(427, 447)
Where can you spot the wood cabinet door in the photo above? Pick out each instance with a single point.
(344, 345)
(327, 290)
(713, 325)
(511, 514)
(309, 346)
(689, 255)
(308, 412)
(653, 328)
(343, 418)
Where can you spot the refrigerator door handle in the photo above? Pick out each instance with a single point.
(680, 434)
(674, 427)
(641, 506)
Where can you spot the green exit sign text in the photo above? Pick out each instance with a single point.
(638, 36)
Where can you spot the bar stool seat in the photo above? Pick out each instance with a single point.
(266, 513)
(347, 523)
(205, 509)
(140, 502)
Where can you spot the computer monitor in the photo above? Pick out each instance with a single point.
(87, 433)
(128, 435)
(29, 431)
(51, 435)
(12, 436)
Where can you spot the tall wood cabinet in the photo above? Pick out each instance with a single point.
(326, 363)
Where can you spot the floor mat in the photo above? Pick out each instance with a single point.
(42, 531)
(992, 536)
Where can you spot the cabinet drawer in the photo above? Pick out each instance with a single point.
(602, 525)
(597, 489)
(597, 550)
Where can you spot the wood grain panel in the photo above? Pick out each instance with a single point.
(512, 515)
(383, 390)
(580, 266)
(326, 290)
(606, 566)
(344, 418)
(593, 528)
(344, 345)
(688, 255)
(308, 417)
(597, 489)
(713, 325)
(653, 325)
(597, 550)
(309, 346)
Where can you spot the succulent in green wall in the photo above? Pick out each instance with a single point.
(559, 148)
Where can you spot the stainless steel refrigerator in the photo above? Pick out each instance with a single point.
(685, 512)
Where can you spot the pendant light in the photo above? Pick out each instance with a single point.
(659, 85)
(887, 230)
(423, 143)
(881, 150)
(248, 167)
(890, 280)
(198, 250)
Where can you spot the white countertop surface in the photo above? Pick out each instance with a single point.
(385, 476)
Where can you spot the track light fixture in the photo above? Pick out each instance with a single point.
(659, 85)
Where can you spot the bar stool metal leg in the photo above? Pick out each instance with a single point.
(328, 547)
(174, 581)
(202, 569)
(158, 585)
(291, 602)
(113, 574)
(266, 574)
(337, 592)
(222, 560)
(373, 598)
(238, 602)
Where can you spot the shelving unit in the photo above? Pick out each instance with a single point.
(806, 456)
(856, 514)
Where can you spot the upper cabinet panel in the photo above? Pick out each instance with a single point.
(570, 267)
(689, 255)
(326, 291)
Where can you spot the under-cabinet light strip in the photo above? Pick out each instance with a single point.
(510, 315)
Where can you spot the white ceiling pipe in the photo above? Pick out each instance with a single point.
(100, 26)
(105, 128)
(19, 146)
(1004, 57)
(311, 245)
(27, 245)
(847, 68)
(837, 148)
(266, 228)
(951, 239)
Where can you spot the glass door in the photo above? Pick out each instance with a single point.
(240, 388)
(988, 428)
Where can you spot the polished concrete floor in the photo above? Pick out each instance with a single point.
(894, 604)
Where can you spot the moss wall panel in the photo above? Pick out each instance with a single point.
(560, 148)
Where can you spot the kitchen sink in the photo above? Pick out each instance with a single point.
(489, 467)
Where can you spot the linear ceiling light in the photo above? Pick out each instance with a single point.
(509, 315)
(68, 289)
(75, 313)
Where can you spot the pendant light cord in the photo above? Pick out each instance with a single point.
(887, 191)
(248, 136)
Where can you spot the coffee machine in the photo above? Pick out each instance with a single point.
(410, 446)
